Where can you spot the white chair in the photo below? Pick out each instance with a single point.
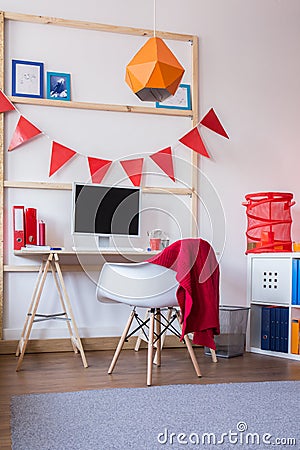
(149, 286)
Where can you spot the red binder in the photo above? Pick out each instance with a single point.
(19, 227)
(31, 226)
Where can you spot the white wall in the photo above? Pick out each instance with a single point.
(249, 73)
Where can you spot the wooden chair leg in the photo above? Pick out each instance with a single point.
(150, 348)
(163, 337)
(192, 355)
(157, 357)
(141, 335)
(190, 350)
(213, 355)
(121, 342)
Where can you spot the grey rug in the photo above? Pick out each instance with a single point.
(243, 415)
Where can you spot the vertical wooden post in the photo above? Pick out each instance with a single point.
(195, 158)
(1, 170)
(195, 80)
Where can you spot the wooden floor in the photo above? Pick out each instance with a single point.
(62, 372)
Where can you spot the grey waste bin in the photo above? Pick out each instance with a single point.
(232, 338)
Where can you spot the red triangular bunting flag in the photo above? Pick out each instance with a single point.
(164, 160)
(134, 168)
(24, 131)
(59, 156)
(212, 122)
(193, 140)
(5, 104)
(98, 168)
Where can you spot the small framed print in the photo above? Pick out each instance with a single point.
(181, 99)
(58, 86)
(27, 78)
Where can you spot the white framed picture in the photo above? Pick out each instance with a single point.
(180, 100)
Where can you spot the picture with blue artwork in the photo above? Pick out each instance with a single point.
(58, 86)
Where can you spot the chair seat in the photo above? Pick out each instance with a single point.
(143, 285)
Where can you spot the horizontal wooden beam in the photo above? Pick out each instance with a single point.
(68, 187)
(102, 107)
(64, 268)
(89, 344)
(45, 20)
(165, 190)
(38, 185)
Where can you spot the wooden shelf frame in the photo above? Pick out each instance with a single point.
(68, 187)
(193, 114)
(103, 107)
(85, 25)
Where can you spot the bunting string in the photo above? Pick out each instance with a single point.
(98, 167)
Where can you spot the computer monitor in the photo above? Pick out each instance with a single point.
(105, 211)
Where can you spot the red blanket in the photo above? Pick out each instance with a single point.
(197, 270)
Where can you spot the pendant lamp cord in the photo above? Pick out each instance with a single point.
(154, 18)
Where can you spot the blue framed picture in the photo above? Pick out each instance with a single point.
(180, 100)
(58, 86)
(27, 78)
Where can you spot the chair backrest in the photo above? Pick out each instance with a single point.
(141, 284)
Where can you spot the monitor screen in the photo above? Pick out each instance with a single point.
(106, 210)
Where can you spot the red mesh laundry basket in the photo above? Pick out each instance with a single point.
(269, 222)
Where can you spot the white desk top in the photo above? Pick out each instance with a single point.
(31, 252)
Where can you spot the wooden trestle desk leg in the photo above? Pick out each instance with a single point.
(32, 310)
(63, 307)
(75, 338)
(53, 264)
(21, 341)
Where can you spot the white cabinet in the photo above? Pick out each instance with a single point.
(271, 287)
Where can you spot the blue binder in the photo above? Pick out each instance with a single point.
(284, 319)
(273, 328)
(265, 327)
(295, 284)
(297, 299)
(277, 328)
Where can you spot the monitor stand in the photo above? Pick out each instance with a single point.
(103, 242)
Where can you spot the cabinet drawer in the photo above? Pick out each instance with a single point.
(271, 280)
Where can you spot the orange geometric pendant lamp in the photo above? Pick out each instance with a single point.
(154, 73)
